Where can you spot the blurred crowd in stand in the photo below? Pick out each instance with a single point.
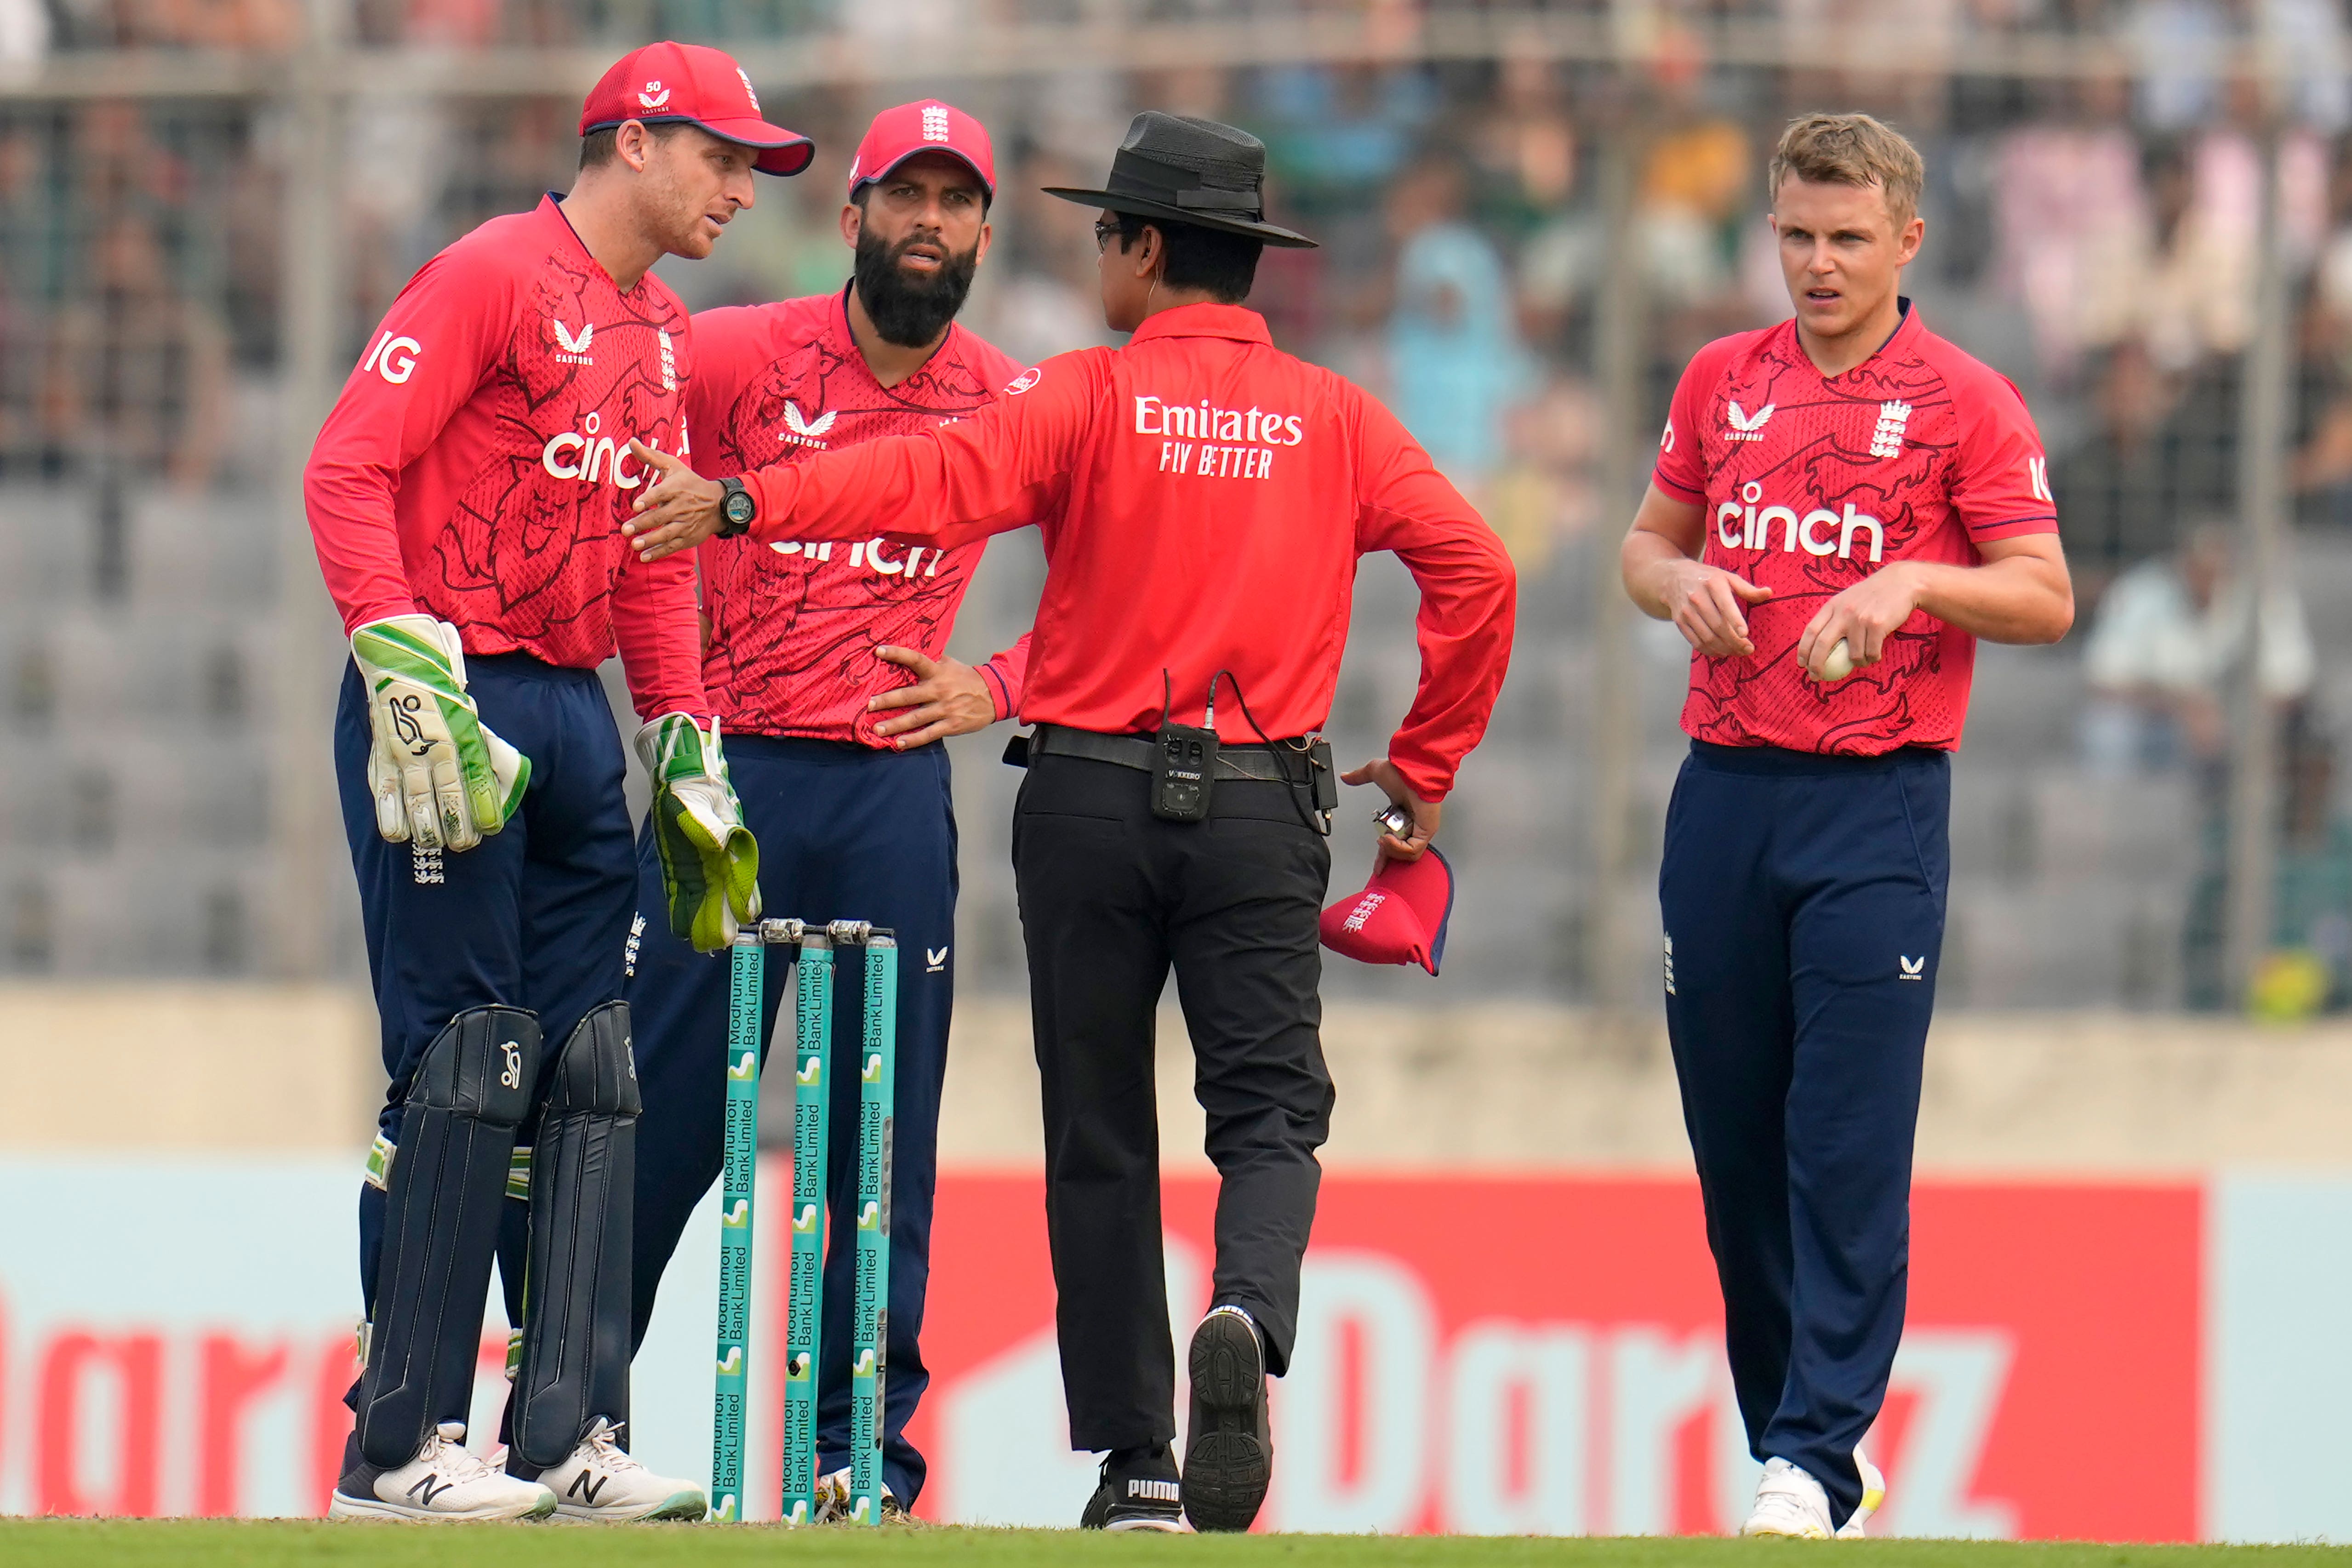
(2095, 239)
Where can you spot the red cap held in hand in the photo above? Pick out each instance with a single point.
(692, 84)
(1398, 918)
(930, 126)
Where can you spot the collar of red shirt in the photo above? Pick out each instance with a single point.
(1238, 321)
(559, 227)
(1897, 341)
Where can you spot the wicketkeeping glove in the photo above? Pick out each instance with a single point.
(438, 774)
(710, 863)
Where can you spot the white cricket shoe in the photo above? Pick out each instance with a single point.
(602, 1483)
(445, 1483)
(1874, 1495)
(1789, 1502)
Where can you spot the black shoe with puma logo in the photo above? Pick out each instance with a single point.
(1138, 1490)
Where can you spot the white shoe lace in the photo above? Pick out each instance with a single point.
(604, 1451)
(446, 1451)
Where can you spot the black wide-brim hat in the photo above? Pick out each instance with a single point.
(1189, 171)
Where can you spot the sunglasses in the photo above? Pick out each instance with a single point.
(1105, 232)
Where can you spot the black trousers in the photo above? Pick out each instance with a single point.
(1111, 898)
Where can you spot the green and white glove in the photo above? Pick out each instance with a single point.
(439, 775)
(710, 863)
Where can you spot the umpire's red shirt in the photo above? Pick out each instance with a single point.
(1203, 498)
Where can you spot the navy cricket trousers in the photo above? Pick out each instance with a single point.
(847, 832)
(535, 917)
(1803, 898)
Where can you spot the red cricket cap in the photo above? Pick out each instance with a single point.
(928, 126)
(693, 84)
(1398, 918)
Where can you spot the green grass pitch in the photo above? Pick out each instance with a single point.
(69, 1543)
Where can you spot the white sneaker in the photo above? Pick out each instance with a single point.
(445, 1483)
(1789, 1502)
(602, 1483)
(1874, 1494)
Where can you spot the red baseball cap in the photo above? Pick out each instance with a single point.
(1398, 918)
(928, 126)
(693, 84)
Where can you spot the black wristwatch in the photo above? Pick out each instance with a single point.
(736, 508)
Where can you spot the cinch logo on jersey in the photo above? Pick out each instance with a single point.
(1744, 525)
(869, 554)
(569, 350)
(590, 457)
(1200, 423)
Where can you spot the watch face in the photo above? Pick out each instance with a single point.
(739, 506)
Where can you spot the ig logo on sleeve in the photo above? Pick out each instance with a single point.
(394, 358)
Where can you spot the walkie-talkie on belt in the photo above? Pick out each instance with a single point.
(1184, 764)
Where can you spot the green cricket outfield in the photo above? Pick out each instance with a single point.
(71, 1543)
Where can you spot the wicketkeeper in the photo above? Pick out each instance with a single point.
(465, 496)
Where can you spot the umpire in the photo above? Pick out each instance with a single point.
(1203, 498)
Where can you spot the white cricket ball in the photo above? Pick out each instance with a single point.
(1838, 664)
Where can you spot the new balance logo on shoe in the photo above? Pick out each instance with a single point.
(425, 1490)
(1911, 968)
(1152, 1491)
(586, 1487)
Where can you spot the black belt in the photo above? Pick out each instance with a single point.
(1260, 763)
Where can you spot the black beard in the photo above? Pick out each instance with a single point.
(910, 312)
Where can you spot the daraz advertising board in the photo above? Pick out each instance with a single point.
(1516, 1355)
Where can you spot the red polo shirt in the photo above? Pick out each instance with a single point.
(1203, 498)
(1810, 483)
(794, 625)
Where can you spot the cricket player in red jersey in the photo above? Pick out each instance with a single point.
(827, 664)
(1204, 498)
(464, 496)
(1842, 504)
